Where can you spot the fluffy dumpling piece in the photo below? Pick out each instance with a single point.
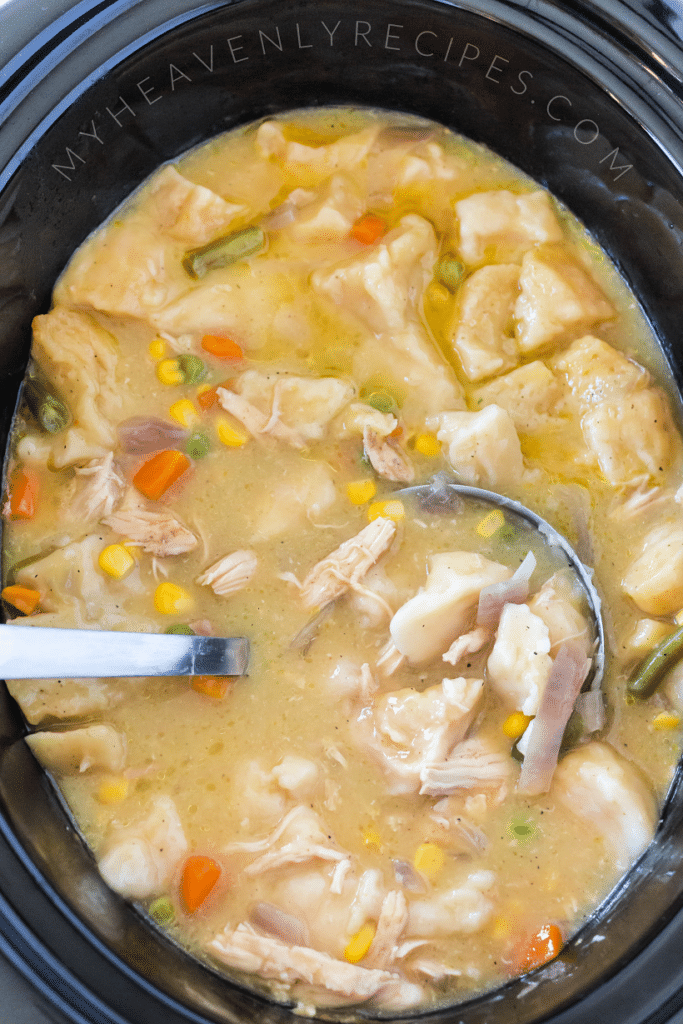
(465, 909)
(78, 750)
(483, 337)
(498, 225)
(314, 163)
(654, 580)
(557, 296)
(596, 372)
(426, 625)
(631, 437)
(610, 796)
(81, 358)
(139, 860)
(519, 664)
(482, 447)
(530, 395)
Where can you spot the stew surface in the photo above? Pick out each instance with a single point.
(418, 791)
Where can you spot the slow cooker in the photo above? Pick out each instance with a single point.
(586, 96)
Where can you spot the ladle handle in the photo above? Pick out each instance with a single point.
(39, 652)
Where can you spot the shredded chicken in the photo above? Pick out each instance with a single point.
(257, 422)
(348, 564)
(243, 949)
(386, 458)
(230, 574)
(467, 643)
(160, 533)
(474, 764)
(98, 489)
(392, 921)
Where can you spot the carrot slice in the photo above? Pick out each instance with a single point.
(222, 347)
(368, 229)
(207, 397)
(24, 494)
(200, 874)
(542, 947)
(212, 686)
(156, 475)
(24, 599)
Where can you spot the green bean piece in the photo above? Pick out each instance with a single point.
(180, 629)
(651, 671)
(224, 251)
(382, 401)
(198, 445)
(192, 368)
(162, 910)
(47, 407)
(449, 272)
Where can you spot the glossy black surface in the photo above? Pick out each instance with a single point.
(585, 97)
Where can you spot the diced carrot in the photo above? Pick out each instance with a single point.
(542, 947)
(207, 397)
(222, 347)
(212, 686)
(24, 599)
(156, 475)
(200, 875)
(24, 494)
(368, 229)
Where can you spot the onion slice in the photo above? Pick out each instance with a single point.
(273, 920)
(512, 591)
(544, 736)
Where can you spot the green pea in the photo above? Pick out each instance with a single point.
(382, 401)
(224, 251)
(198, 445)
(522, 830)
(192, 368)
(180, 629)
(449, 272)
(162, 910)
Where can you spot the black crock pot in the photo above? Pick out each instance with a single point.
(586, 96)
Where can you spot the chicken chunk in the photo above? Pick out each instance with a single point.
(139, 860)
(427, 624)
(499, 225)
(387, 458)
(606, 792)
(298, 839)
(482, 447)
(230, 573)
(98, 488)
(465, 909)
(268, 957)
(530, 395)
(347, 565)
(391, 924)
(467, 643)
(78, 750)
(475, 764)
(159, 533)
(80, 357)
(557, 296)
(654, 580)
(412, 730)
(484, 338)
(519, 664)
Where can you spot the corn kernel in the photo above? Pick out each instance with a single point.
(666, 720)
(372, 838)
(157, 348)
(491, 523)
(360, 491)
(116, 560)
(184, 413)
(501, 928)
(229, 435)
(112, 791)
(170, 599)
(169, 372)
(515, 724)
(678, 618)
(387, 509)
(429, 859)
(428, 444)
(437, 293)
(360, 943)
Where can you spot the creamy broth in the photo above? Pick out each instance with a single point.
(240, 371)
